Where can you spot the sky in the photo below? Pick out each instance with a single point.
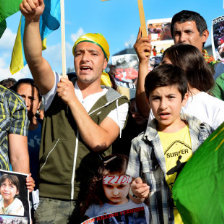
(117, 20)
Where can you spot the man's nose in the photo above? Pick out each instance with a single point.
(85, 57)
(182, 38)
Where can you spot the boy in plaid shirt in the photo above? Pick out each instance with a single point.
(158, 155)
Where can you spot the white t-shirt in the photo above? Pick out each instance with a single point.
(118, 115)
(205, 107)
(98, 210)
(15, 208)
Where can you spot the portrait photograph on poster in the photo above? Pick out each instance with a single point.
(217, 38)
(14, 198)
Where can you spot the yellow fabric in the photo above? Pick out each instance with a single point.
(17, 62)
(177, 151)
(97, 39)
(17, 58)
(44, 44)
(105, 79)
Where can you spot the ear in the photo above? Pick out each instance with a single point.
(105, 63)
(205, 35)
(184, 101)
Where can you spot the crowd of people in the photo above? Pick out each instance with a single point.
(71, 134)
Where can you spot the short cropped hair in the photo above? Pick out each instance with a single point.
(186, 15)
(166, 75)
(190, 59)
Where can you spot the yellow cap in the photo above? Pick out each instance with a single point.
(97, 39)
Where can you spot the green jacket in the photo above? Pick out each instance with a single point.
(66, 162)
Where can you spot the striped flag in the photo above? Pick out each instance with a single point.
(49, 21)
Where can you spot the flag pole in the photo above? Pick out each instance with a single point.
(63, 54)
(142, 18)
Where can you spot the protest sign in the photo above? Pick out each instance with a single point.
(217, 37)
(161, 38)
(134, 215)
(14, 198)
(125, 71)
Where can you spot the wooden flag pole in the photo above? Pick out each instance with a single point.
(63, 54)
(142, 18)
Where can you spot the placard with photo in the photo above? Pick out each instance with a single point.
(14, 198)
(161, 38)
(130, 216)
(217, 38)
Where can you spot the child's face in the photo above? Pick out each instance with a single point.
(116, 193)
(8, 190)
(166, 103)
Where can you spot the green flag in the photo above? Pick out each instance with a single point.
(198, 191)
(2, 27)
(7, 8)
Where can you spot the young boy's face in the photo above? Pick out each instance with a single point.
(166, 103)
(116, 193)
(8, 191)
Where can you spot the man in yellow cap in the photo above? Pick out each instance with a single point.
(82, 119)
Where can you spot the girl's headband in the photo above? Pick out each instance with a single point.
(114, 179)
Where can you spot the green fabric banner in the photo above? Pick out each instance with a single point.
(7, 8)
(198, 191)
(2, 27)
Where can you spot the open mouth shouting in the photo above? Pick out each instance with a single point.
(85, 68)
(164, 115)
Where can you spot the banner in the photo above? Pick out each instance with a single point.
(198, 191)
(7, 8)
(130, 216)
(49, 21)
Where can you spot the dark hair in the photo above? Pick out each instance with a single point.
(26, 81)
(8, 82)
(190, 59)
(12, 179)
(166, 75)
(186, 15)
(115, 163)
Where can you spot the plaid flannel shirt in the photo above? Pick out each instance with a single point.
(13, 120)
(147, 161)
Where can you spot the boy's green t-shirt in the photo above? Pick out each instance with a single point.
(177, 151)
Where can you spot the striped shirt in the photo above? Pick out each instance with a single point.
(13, 120)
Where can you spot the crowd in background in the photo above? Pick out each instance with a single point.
(75, 127)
